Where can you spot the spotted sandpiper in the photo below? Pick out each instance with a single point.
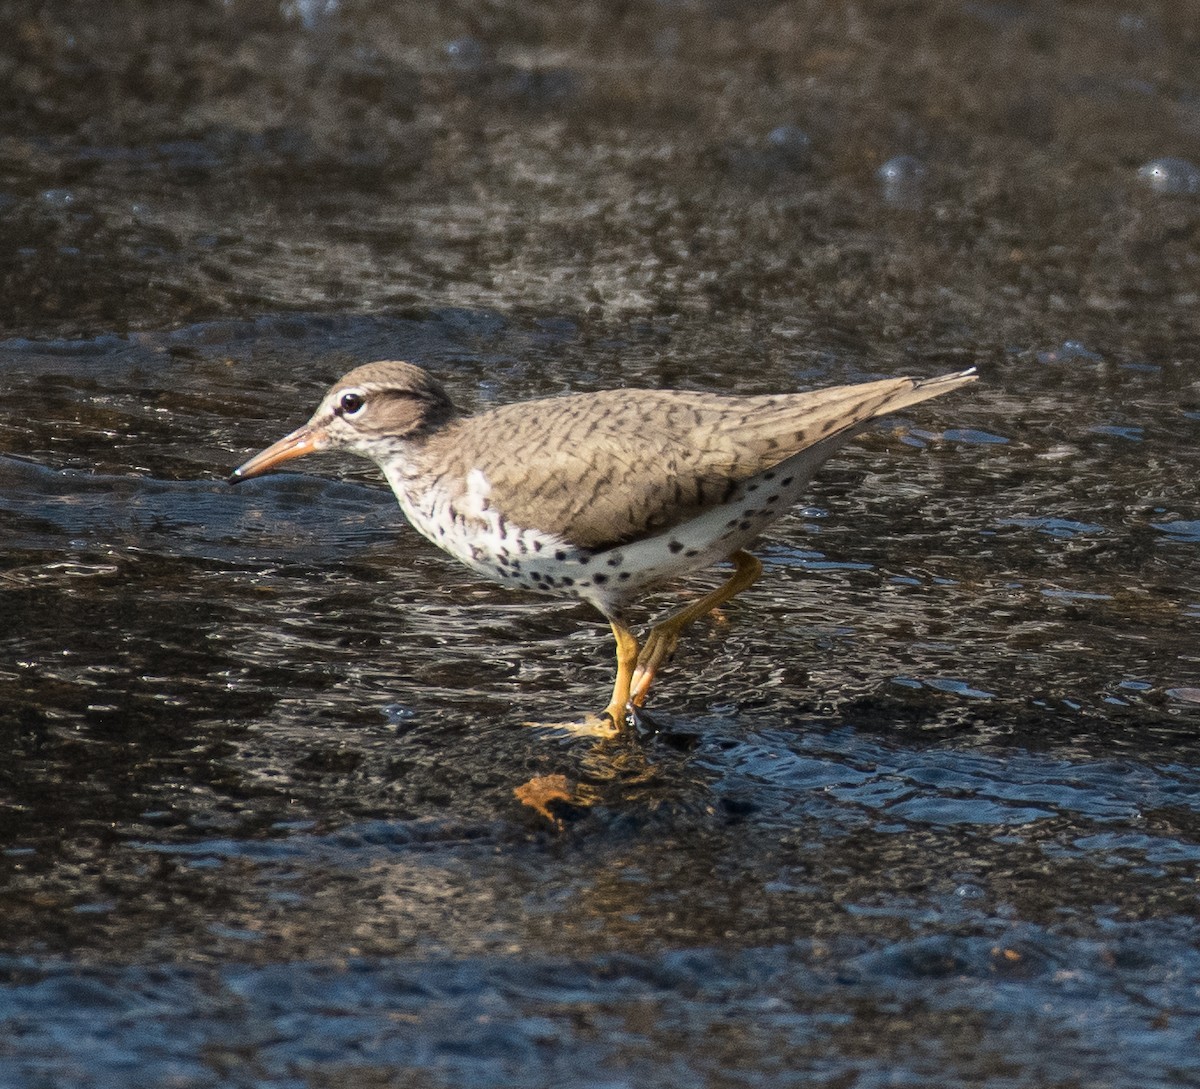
(597, 496)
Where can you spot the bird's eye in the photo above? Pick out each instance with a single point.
(352, 403)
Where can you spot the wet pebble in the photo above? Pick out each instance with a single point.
(1171, 176)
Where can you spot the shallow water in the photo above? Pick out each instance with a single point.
(920, 808)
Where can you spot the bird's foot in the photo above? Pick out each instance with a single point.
(659, 646)
(633, 721)
(617, 715)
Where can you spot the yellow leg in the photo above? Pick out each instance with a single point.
(627, 656)
(664, 637)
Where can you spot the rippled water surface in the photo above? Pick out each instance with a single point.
(283, 801)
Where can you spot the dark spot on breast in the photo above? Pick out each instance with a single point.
(601, 579)
(731, 524)
(568, 581)
(560, 555)
(772, 499)
(675, 546)
(786, 481)
(624, 575)
(614, 561)
(751, 487)
(692, 552)
(537, 545)
(769, 476)
(585, 558)
(744, 525)
(586, 582)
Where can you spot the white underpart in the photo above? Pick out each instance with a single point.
(478, 535)
(479, 488)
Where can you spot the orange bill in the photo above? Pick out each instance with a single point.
(304, 440)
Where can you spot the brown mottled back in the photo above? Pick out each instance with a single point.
(552, 464)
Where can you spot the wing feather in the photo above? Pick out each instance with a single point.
(608, 468)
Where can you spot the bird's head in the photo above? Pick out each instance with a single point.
(374, 411)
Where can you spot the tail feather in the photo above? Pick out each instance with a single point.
(922, 389)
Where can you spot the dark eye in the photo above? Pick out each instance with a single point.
(352, 403)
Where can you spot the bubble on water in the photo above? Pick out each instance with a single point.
(309, 13)
(400, 715)
(789, 145)
(466, 54)
(902, 180)
(1171, 176)
(1069, 351)
(59, 198)
(901, 168)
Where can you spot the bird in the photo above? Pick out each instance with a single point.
(599, 496)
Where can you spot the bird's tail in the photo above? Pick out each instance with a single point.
(922, 389)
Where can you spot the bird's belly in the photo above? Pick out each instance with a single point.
(609, 578)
